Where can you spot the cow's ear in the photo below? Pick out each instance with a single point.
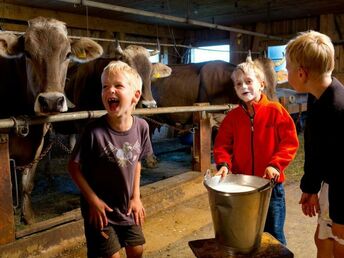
(11, 46)
(84, 50)
(160, 71)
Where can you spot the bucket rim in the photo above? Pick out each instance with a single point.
(269, 184)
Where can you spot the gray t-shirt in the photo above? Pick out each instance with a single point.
(108, 159)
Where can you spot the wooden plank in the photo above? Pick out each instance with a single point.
(296, 108)
(202, 140)
(269, 247)
(23, 13)
(73, 215)
(7, 227)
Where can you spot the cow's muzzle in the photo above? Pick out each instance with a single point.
(50, 103)
(147, 104)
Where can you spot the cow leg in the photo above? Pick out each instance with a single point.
(28, 176)
(27, 215)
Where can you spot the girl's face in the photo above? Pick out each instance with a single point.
(247, 86)
(118, 95)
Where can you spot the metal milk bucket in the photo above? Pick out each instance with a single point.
(238, 213)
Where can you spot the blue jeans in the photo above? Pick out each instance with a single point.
(276, 214)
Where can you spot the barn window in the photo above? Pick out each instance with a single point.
(277, 55)
(208, 53)
(154, 59)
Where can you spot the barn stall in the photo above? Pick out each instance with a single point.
(259, 29)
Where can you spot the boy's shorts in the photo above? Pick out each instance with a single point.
(111, 239)
(324, 221)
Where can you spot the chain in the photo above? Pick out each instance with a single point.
(45, 152)
(35, 161)
(63, 146)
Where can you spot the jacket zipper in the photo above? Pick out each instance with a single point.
(252, 143)
(252, 134)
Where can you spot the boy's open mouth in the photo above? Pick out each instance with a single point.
(113, 101)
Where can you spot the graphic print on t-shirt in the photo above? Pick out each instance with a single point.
(123, 155)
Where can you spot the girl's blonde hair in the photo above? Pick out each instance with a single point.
(312, 51)
(248, 67)
(134, 79)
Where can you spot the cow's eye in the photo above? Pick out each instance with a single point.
(68, 55)
(27, 54)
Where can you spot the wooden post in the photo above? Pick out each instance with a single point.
(202, 140)
(7, 228)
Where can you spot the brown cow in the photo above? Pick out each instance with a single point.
(33, 72)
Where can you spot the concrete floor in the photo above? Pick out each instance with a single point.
(169, 230)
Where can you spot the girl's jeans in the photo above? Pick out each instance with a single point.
(276, 214)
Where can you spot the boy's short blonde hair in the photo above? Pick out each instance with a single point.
(313, 51)
(249, 67)
(134, 79)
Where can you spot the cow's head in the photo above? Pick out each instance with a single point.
(138, 58)
(48, 51)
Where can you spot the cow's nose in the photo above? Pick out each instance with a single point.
(52, 102)
(43, 103)
(60, 103)
(148, 104)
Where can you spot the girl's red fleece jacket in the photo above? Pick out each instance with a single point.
(250, 144)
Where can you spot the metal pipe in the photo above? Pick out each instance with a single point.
(122, 9)
(12, 122)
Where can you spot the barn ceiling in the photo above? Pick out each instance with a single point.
(221, 12)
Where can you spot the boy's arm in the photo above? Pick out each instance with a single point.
(97, 207)
(135, 204)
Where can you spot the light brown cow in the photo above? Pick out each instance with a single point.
(33, 73)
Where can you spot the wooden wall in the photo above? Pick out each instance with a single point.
(329, 24)
(14, 17)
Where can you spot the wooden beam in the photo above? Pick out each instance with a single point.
(202, 140)
(23, 13)
(7, 228)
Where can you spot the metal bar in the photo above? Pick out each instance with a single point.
(18, 121)
(170, 18)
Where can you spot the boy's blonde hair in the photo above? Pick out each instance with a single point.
(134, 79)
(313, 51)
(249, 67)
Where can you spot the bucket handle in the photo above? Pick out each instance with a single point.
(207, 175)
(272, 185)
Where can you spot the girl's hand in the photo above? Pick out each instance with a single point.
(271, 173)
(223, 171)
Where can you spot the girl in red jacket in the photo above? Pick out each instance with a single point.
(257, 138)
